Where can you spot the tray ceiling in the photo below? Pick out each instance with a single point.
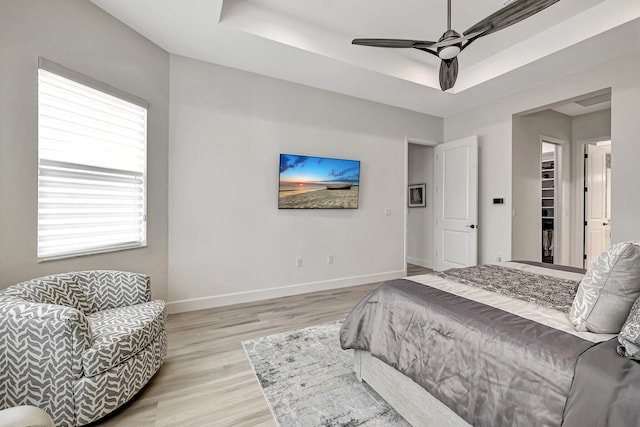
(309, 42)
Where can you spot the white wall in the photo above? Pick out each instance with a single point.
(526, 227)
(492, 123)
(420, 220)
(80, 36)
(228, 242)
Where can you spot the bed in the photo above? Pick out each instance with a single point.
(492, 345)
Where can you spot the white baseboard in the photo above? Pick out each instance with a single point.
(277, 292)
(421, 262)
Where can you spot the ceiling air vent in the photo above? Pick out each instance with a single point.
(598, 99)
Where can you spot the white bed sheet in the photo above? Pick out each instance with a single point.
(546, 316)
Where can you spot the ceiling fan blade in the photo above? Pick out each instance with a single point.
(458, 39)
(396, 43)
(448, 73)
(509, 15)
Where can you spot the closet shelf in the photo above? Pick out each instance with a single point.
(548, 195)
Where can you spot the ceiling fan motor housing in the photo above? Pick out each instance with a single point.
(451, 51)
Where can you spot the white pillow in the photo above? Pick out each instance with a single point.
(608, 290)
(629, 337)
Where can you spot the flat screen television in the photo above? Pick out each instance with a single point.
(308, 182)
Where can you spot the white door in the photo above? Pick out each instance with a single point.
(597, 233)
(456, 204)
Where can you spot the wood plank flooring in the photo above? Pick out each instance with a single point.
(207, 380)
(415, 270)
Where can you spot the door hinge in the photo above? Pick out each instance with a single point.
(585, 223)
(586, 156)
(586, 189)
(585, 256)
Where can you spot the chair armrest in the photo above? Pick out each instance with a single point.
(24, 324)
(41, 349)
(106, 289)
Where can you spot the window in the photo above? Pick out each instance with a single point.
(92, 143)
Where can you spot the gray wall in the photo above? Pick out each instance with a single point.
(82, 37)
(228, 241)
(420, 220)
(591, 126)
(493, 125)
(526, 224)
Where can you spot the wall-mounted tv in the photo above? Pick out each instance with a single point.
(318, 183)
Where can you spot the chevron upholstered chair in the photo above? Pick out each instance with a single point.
(79, 345)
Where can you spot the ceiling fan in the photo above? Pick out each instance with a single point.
(452, 43)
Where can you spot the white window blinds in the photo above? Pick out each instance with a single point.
(91, 169)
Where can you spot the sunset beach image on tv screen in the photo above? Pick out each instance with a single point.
(318, 183)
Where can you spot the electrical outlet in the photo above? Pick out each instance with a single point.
(299, 262)
(329, 259)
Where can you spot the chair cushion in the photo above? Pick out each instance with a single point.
(120, 333)
(608, 290)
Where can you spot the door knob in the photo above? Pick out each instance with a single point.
(470, 226)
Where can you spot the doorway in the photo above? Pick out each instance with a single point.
(550, 179)
(578, 122)
(419, 220)
(597, 200)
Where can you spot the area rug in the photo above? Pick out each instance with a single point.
(308, 380)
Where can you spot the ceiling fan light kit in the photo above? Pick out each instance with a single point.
(450, 51)
(452, 43)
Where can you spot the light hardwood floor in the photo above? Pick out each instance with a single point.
(207, 380)
(414, 270)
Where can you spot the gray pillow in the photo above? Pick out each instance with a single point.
(629, 337)
(608, 290)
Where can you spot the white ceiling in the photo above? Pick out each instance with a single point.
(309, 42)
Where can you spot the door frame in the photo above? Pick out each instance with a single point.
(473, 200)
(577, 255)
(417, 141)
(561, 232)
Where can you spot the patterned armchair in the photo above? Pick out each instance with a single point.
(79, 345)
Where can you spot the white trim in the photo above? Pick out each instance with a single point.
(95, 251)
(277, 292)
(417, 141)
(578, 165)
(562, 200)
(83, 79)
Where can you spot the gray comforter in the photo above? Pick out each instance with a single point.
(491, 367)
(605, 390)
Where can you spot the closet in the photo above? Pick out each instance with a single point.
(548, 199)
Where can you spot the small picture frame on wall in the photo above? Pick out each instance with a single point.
(417, 195)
